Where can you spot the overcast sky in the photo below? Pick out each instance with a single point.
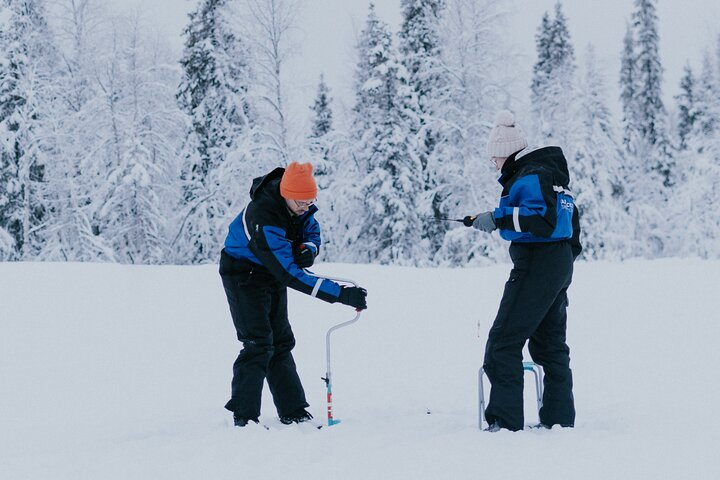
(328, 28)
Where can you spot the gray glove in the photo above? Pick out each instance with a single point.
(485, 221)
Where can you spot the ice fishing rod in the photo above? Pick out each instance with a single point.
(445, 219)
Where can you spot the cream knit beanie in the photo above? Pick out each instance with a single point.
(507, 137)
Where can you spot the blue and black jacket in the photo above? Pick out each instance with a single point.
(536, 204)
(266, 232)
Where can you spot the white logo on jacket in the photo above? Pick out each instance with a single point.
(566, 205)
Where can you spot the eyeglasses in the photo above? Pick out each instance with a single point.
(305, 203)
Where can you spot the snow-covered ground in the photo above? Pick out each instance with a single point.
(121, 372)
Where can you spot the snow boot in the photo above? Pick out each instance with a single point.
(549, 427)
(492, 428)
(298, 416)
(242, 421)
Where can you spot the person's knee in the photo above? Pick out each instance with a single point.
(284, 345)
(549, 354)
(256, 348)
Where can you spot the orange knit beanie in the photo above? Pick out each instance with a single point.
(298, 183)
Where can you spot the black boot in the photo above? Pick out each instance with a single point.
(242, 421)
(298, 416)
(548, 427)
(492, 428)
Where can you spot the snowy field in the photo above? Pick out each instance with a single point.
(121, 372)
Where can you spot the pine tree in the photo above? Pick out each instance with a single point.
(214, 94)
(698, 185)
(553, 84)
(26, 103)
(651, 122)
(628, 89)
(562, 53)
(644, 203)
(686, 107)
(421, 56)
(717, 62)
(543, 67)
(322, 121)
(649, 70)
(319, 138)
(390, 230)
(649, 164)
(596, 171)
(335, 173)
(420, 50)
(708, 92)
(367, 60)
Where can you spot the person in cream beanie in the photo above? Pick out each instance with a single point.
(506, 137)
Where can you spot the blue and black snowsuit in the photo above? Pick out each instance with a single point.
(538, 215)
(256, 266)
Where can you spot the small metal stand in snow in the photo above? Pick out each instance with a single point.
(528, 367)
(328, 375)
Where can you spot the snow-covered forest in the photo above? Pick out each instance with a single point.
(113, 150)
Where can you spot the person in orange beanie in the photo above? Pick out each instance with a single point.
(267, 248)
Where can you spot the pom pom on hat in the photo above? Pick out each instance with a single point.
(298, 183)
(505, 118)
(507, 137)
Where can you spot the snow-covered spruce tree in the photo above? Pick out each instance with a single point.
(717, 61)
(695, 196)
(596, 171)
(652, 117)
(686, 107)
(328, 150)
(322, 122)
(707, 108)
(649, 165)
(553, 85)
(320, 129)
(214, 94)
(389, 230)
(27, 99)
(420, 51)
(628, 92)
(699, 179)
(562, 52)
(542, 70)
(647, 168)
(482, 73)
(695, 200)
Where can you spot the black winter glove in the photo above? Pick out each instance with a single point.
(354, 297)
(304, 255)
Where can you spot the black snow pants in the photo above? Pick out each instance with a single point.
(258, 305)
(533, 307)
